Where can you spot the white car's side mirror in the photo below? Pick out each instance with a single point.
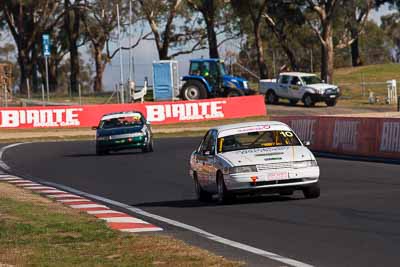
(307, 143)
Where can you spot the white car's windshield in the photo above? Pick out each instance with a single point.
(257, 140)
(311, 80)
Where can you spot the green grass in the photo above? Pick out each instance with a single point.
(38, 232)
(350, 80)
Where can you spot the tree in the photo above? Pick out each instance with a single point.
(27, 21)
(59, 49)
(321, 21)
(209, 10)
(160, 15)
(219, 21)
(283, 18)
(72, 26)
(320, 15)
(356, 15)
(252, 11)
(375, 47)
(391, 26)
(99, 21)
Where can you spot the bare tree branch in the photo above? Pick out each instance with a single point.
(130, 47)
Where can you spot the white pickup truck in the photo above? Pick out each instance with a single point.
(296, 86)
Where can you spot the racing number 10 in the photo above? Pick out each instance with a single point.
(287, 134)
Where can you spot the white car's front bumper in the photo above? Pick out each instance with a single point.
(277, 178)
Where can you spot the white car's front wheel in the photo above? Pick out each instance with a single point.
(223, 196)
(312, 191)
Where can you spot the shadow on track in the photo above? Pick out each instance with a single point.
(194, 203)
(103, 156)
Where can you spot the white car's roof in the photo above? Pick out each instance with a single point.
(246, 125)
(301, 74)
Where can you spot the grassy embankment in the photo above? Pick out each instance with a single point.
(374, 78)
(35, 231)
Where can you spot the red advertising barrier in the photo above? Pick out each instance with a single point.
(370, 137)
(155, 112)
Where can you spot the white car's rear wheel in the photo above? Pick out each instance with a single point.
(200, 193)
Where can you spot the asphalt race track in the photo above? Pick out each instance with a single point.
(355, 222)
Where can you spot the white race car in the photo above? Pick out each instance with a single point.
(255, 157)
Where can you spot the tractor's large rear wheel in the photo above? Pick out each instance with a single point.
(193, 90)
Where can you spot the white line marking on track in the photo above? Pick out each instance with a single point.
(51, 191)
(254, 250)
(3, 165)
(205, 234)
(28, 184)
(8, 178)
(40, 187)
(86, 206)
(19, 181)
(139, 230)
(73, 200)
(103, 211)
(124, 220)
(63, 195)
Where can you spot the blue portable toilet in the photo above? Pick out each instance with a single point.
(165, 80)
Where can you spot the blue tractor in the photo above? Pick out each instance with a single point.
(207, 78)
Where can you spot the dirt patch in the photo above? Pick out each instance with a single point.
(11, 191)
(320, 109)
(8, 191)
(372, 115)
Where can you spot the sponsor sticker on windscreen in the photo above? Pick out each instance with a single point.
(251, 129)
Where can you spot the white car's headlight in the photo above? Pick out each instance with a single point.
(304, 164)
(241, 169)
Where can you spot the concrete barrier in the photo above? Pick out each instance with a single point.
(156, 112)
(368, 137)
